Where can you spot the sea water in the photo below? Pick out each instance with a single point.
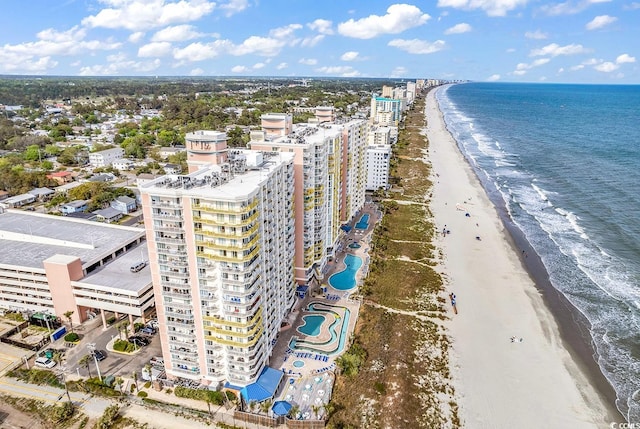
(564, 161)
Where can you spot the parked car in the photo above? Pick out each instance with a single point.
(100, 355)
(45, 362)
(139, 341)
(156, 361)
(148, 330)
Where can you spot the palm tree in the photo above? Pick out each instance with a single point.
(85, 361)
(294, 411)
(134, 375)
(147, 369)
(252, 405)
(316, 409)
(265, 406)
(328, 409)
(68, 315)
(119, 382)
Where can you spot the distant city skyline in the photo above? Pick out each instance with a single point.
(577, 41)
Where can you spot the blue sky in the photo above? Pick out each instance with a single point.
(579, 41)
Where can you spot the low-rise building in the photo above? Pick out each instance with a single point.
(73, 207)
(124, 204)
(52, 264)
(104, 158)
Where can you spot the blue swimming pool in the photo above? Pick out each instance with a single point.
(363, 223)
(298, 363)
(311, 325)
(338, 330)
(355, 246)
(346, 279)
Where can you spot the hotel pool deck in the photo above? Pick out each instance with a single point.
(319, 328)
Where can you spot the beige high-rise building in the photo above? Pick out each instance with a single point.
(330, 180)
(221, 248)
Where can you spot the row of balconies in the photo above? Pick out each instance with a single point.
(224, 208)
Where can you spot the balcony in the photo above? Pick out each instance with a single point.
(169, 240)
(227, 222)
(230, 210)
(165, 204)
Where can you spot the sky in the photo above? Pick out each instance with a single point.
(576, 41)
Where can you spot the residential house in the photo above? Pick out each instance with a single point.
(172, 169)
(61, 177)
(18, 201)
(74, 207)
(42, 194)
(108, 215)
(124, 204)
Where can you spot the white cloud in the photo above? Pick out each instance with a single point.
(491, 7)
(576, 68)
(416, 46)
(155, 49)
(196, 72)
(282, 66)
(554, 50)
(136, 37)
(520, 72)
(322, 26)
(264, 46)
(399, 17)
(32, 57)
(312, 41)
(138, 15)
(118, 64)
(344, 71)
(632, 6)
(458, 29)
(537, 63)
(11, 62)
(569, 7)
(607, 67)
(349, 56)
(600, 21)
(535, 35)
(202, 51)
(258, 66)
(240, 69)
(234, 6)
(308, 61)
(625, 58)
(493, 78)
(176, 33)
(398, 72)
(285, 32)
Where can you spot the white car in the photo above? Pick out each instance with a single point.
(45, 362)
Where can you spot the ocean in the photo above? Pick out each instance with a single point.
(563, 162)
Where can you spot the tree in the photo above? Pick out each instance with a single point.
(252, 405)
(294, 411)
(265, 406)
(67, 315)
(147, 369)
(316, 410)
(32, 153)
(84, 360)
(119, 382)
(134, 375)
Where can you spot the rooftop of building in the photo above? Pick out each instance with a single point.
(238, 178)
(117, 273)
(28, 238)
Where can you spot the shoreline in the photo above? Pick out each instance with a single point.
(543, 378)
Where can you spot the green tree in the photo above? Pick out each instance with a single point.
(85, 360)
(67, 315)
(32, 153)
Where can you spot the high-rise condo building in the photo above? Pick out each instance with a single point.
(221, 248)
(330, 179)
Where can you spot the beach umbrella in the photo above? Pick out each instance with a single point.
(281, 408)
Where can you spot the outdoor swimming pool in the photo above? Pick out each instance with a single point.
(311, 325)
(338, 337)
(346, 279)
(355, 246)
(363, 223)
(298, 363)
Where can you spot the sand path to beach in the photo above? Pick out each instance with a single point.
(533, 383)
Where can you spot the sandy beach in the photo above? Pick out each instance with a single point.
(509, 365)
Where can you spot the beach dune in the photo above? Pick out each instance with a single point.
(509, 365)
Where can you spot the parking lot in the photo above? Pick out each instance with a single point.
(115, 363)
